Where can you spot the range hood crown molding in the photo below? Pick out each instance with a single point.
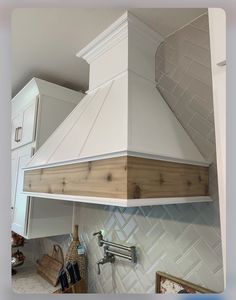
(122, 141)
(115, 33)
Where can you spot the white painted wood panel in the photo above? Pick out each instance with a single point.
(52, 112)
(142, 51)
(76, 138)
(126, 44)
(153, 128)
(29, 123)
(24, 97)
(57, 91)
(106, 67)
(47, 150)
(109, 133)
(38, 86)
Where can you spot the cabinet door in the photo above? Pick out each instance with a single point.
(21, 201)
(24, 125)
(29, 123)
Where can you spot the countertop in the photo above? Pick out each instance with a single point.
(26, 280)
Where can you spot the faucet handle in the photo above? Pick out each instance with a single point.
(96, 233)
(100, 237)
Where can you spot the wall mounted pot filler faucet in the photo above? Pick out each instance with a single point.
(109, 254)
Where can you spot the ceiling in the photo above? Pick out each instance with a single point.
(45, 41)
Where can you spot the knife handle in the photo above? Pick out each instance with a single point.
(75, 267)
(62, 283)
(63, 280)
(70, 270)
(66, 280)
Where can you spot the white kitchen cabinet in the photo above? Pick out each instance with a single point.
(37, 110)
(37, 217)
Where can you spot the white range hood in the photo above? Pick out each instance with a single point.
(122, 116)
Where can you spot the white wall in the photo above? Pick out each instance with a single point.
(217, 22)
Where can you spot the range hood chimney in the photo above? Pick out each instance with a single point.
(121, 145)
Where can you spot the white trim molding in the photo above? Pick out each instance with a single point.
(116, 32)
(122, 202)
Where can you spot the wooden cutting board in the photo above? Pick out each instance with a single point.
(49, 267)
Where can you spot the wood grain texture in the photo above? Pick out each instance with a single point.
(149, 178)
(121, 177)
(101, 178)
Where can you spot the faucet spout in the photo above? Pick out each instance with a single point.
(108, 257)
(98, 265)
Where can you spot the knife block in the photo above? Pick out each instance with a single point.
(77, 288)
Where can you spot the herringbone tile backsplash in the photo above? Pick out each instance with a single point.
(183, 75)
(183, 240)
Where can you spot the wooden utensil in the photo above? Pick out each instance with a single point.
(72, 255)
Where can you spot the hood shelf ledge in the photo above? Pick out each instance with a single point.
(123, 202)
